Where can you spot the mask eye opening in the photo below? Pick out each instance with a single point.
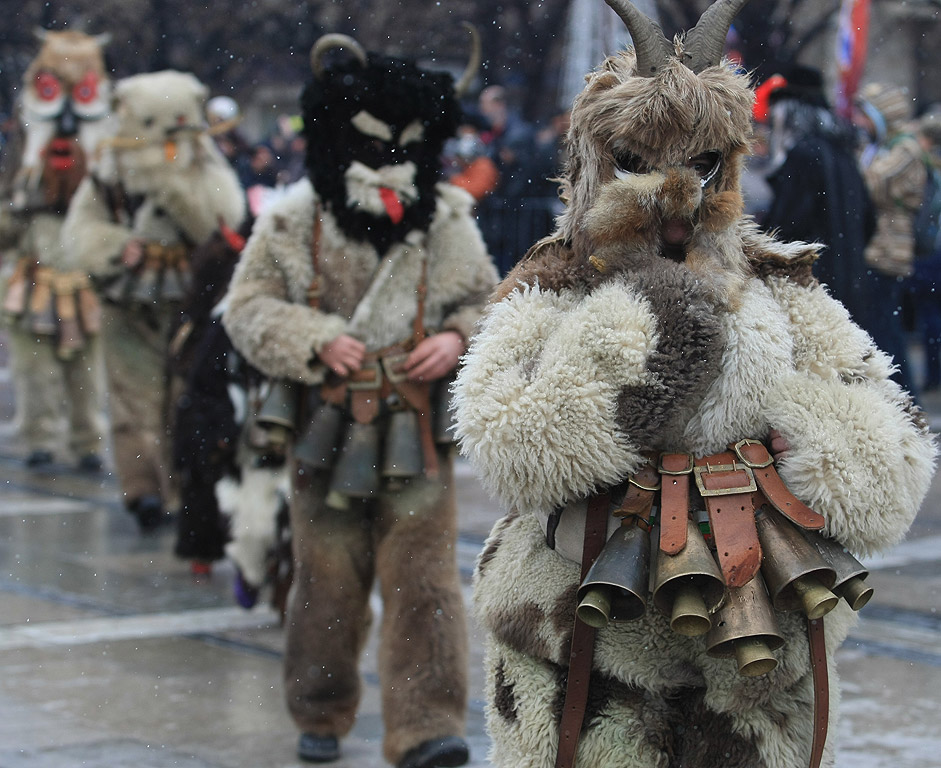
(706, 165)
(627, 163)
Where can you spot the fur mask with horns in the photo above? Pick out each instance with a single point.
(656, 148)
(375, 127)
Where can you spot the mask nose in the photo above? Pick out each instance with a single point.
(66, 122)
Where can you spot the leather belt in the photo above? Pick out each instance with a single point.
(582, 649)
(364, 391)
(754, 455)
(728, 488)
(816, 639)
(675, 469)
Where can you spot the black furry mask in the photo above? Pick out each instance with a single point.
(383, 120)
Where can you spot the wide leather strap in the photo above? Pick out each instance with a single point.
(675, 469)
(582, 649)
(816, 639)
(640, 494)
(755, 455)
(728, 489)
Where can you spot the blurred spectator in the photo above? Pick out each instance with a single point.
(819, 194)
(224, 116)
(895, 174)
(465, 160)
(506, 217)
(549, 156)
(926, 278)
(262, 167)
(287, 145)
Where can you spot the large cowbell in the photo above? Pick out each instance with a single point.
(277, 414)
(401, 454)
(850, 573)
(798, 577)
(317, 444)
(688, 586)
(616, 586)
(356, 473)
(746, 628)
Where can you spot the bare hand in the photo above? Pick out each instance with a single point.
(780, 447)
(343, 355)
(435, 356)
(133, 253)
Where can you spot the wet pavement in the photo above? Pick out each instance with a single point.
(112, 654)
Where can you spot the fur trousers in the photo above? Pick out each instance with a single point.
(407, 540)
(135, 343)
(58, 398)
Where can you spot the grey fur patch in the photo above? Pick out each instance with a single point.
(686, 361)
(702, 738)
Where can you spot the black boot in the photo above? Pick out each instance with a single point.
(318, 749)
(148, 510)
(446, 752)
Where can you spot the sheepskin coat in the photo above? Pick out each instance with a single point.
(367, 295)
(572, 376)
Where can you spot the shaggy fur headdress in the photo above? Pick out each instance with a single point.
(378, 114)
(656, 146)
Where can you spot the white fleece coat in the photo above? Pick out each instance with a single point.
(369, 297)
(558, 396)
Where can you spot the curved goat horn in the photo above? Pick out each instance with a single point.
(705, 42)
(328, 43)
(650, 45)
(473, 63)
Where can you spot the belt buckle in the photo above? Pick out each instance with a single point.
(390, 364)
(374, 383)
(753, 464)
(734, 467)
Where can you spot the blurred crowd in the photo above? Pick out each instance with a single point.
(864, 186)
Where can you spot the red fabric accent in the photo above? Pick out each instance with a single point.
(393, 205)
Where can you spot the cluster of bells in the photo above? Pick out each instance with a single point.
(361, 458)
(800, 570)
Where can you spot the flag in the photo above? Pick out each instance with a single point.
(851, 43)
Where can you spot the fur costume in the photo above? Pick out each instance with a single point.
(369, 233)
(53, 312)
(159, 189)
(659, 318)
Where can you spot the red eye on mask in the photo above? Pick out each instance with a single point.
(47, 86)
(86, 90)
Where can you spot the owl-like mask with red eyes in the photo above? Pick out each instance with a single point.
(66, 100)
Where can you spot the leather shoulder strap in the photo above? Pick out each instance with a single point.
(583, 641)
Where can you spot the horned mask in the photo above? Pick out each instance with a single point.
(375, 127)
(66, 101)
(656, 147)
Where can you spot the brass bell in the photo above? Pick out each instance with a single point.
(401, 456)
(798, 577)
(745, 627)
(356, 473)
(144, 286)
(616, 586)
(317, 444)
(279, 406)
(850, 573)
(688, 586)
